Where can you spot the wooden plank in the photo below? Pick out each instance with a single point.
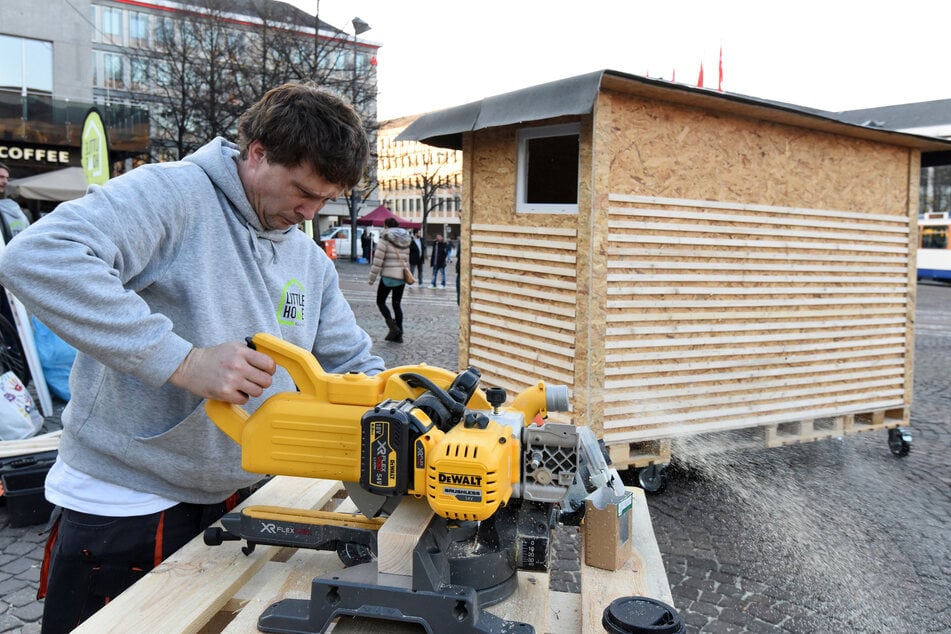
(537, 232)
(893, 365)
(519, 265)
(543, 334)
(667, 254)
(776, 209)
(540, 343)
(157, 599)
(853, 348)
(742, 244)
(526, 254)
(760, 290)
(34, 444)
(545, 308)
(759, 324)
(753, 384)
(765, 316)
(836, 237)
(761, 303)
(706, 217)
(398, 537)
(695, 264)
(641, 278)
(614, 343)
(642, 575)
(486, 284)
(563, 283)
(488, 359)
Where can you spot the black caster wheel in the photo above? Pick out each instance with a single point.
(899, 441)
(653, 478)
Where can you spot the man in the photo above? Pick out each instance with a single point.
(366, 245)
(156, 278)
(439, 259)
(12, 218)
(417, 252)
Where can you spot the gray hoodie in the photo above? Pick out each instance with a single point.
(137, 272)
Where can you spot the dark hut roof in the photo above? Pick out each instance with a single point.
(577, 96)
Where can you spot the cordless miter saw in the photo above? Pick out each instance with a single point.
(497, 479)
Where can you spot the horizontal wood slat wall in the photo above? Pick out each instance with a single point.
(523, 293)
(725, 316)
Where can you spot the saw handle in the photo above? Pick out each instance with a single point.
(299, 363)
(303, 367)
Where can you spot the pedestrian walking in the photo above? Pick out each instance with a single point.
(366, 245)
(389, 260)
(417, 254)
(439, 259)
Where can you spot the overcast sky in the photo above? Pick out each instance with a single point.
(828, 54)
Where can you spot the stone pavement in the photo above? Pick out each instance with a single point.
(832, 536)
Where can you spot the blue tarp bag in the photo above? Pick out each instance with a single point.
(56, 358)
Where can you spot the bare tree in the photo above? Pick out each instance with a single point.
(210, 67)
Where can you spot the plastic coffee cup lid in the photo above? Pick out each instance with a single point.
(641, 615)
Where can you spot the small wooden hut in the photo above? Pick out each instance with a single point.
(687, 261)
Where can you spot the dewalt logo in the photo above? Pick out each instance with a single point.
(460, 479)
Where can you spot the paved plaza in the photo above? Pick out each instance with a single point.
(832, 536)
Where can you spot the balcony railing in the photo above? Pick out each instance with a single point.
(47, 120)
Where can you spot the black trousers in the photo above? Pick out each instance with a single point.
(382, 292)
(90, 559)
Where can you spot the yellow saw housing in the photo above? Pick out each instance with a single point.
(369, 430)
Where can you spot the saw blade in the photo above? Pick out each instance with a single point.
(371, 504)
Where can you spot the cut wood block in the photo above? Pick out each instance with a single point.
(398, 537)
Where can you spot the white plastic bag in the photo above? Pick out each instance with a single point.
(18, 416)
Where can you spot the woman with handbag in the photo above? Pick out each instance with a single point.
(391, 264)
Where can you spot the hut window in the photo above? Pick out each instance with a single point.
(547, 179)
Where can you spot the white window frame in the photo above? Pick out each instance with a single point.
(521, 172)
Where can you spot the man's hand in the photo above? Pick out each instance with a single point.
(229, 372)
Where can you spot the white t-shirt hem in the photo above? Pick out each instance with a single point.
(77, 491)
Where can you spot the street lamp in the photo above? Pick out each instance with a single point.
(359, 26)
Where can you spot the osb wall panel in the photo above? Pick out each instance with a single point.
(660, 149)
(525, 274)
(722, 316)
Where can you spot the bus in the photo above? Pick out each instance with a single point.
(934, 256)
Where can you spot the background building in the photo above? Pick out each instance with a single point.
(419, 182)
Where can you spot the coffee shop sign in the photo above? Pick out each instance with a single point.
(37, 154)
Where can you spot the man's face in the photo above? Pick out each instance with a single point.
(4, 178)
(284, 196)
(438, 237)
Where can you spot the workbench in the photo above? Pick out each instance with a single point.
(208, 589)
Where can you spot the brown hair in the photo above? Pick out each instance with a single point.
(299, 123)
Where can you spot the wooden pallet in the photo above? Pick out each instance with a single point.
(218, 589)
(833, 427)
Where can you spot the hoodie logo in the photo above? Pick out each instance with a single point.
(290, 312)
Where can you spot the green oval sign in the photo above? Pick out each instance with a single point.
(95, 149)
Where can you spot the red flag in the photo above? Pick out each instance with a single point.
(720, 82)
(700, 78)
(673, 75)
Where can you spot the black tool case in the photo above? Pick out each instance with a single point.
(23, 479)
